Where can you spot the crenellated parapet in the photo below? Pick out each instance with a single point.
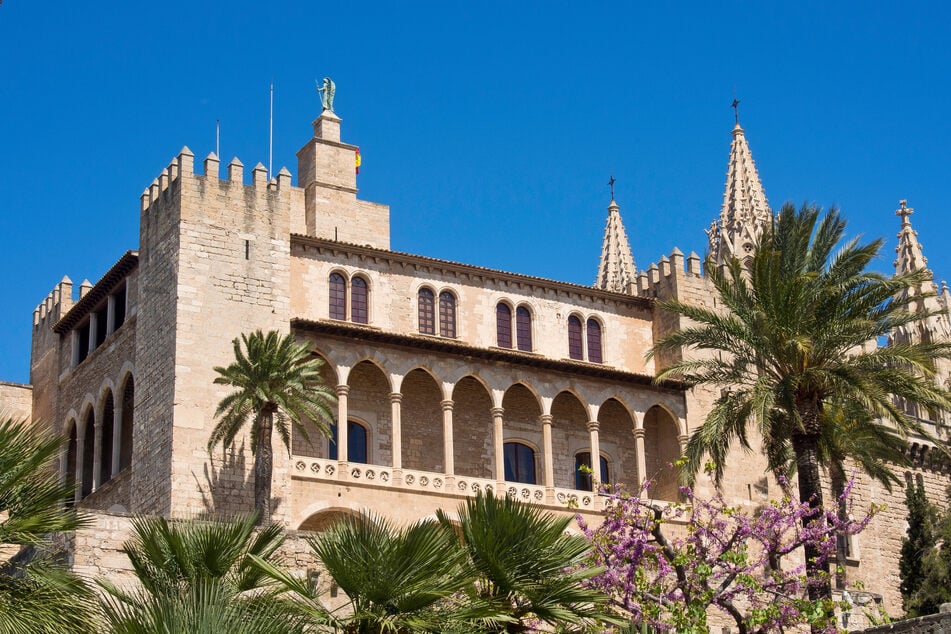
(57, 303)
(671, 275)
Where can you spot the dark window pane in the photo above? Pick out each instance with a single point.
(594, 341)
(356, 442)
(120, 308)
(427, 324)
(583, 478)
(575, 350)
(83, 342)
(359, 312)
(447, 314)
(523, 328)
(503, 325)
(102, 316)
(519, 463)
(338, 296)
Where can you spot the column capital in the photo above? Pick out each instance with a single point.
(593, 425)
(639, 433)
(545, 419)
(396, 397)
(342, 390)
(446, 405)
(497, 411)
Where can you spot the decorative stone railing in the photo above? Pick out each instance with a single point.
(411, 479)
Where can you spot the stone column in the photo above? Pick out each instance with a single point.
(396, 400)
(80, 454)
(593, 428)
(110, 315)
(93, 328)
(498, 441)
(548, 458)
(683, 439)
(75, 350)
(343, 391)
(641, 457)
(449, 467)
(116, 433)
(97, 454)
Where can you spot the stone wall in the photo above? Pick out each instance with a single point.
(16, 400)
(932, 624)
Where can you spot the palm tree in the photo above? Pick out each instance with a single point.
(278, 385)
(395, 579)
(198, 576)
(794, 334)
(37, 592)
(527, 568)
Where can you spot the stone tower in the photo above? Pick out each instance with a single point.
(745, 211)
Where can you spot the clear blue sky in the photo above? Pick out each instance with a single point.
(489, 128)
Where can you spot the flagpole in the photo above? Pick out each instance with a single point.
(270, 153)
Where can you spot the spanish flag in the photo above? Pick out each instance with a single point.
(357, 161)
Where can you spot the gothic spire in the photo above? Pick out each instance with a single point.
(910, 257)
(745, 210)
(616, 272)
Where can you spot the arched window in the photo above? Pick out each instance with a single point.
(356, 442)
(427, 323)
(575, 345)
(519, 463)
(594, 341)
(359, 311)
(105, 454)
(503, 325)
(523, 328)
(447, 314)
(583, 476)
(338, 296)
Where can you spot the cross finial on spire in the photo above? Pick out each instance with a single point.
(736, 110)
(904, 211)
(611, 185)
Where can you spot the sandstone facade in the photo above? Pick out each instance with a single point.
(452, 378)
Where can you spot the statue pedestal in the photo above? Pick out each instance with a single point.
(327, 126)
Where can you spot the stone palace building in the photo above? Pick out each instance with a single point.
(451, 378)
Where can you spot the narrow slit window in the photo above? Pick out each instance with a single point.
(594, 341)
(447, 314)
(575, 344)
(338, 296)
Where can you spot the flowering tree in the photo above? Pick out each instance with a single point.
(667, 565)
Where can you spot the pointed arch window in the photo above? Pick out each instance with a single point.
(426, 302)
(503, 325)
(338, 297)
(359, 305)
(523, 328)
(519, 463)
(447, 314)
(575, 339)
(583, 475)
(594, 341)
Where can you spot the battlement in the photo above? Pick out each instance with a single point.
(57, 303)
(662, 278)
(183, 165)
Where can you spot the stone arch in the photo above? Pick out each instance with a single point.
(473, 446)
(127, 423)
(323, 518)
(522, 409)
(661, 449)
(107, 414)
(681, 428)
(368, 403)
(616, 437)
(88, 456)
(569, 434)
(422, 421)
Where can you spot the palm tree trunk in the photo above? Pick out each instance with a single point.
(806, 446)
(263, 469)
(837, 480)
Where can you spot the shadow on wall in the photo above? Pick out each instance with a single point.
(228, 486)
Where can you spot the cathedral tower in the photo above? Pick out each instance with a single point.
(616, 271)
